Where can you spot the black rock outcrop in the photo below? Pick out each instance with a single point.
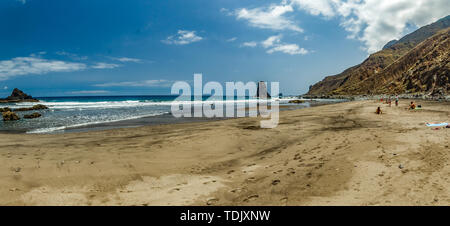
(18, 95)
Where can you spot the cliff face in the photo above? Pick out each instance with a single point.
(417, 63)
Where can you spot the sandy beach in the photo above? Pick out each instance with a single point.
(339, 154)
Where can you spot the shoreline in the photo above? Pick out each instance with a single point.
(337, 154)
(168, 119)
(161, 119)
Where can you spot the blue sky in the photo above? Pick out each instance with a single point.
(135, 47)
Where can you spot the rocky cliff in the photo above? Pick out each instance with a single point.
(417, 63)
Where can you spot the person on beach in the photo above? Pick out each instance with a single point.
(412, 106)
(379, 111)
(396, 101)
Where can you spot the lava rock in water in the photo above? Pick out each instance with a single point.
(39, 107)
(6, 109)
(10, 116)
(296, 101)
(18, 95)
(34, 108)
(31, 116)
(261, 91)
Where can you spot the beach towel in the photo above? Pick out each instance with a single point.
(435, 125)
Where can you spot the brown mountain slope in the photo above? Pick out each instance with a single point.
(369, 76)
(424, 69)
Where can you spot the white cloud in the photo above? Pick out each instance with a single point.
(316, 7)
(273, 44)
(272, 17)
(146, 83)
(226, 11)
(183, 37)
(72, 56)
(35, 65)
(376, 22)
(271, 41)
(127, 59)
(232, 39)
(249, 44)
(292, 49)
(373, 22)
(105, 66)
(90, 92)
(5, 87)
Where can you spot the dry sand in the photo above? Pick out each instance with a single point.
(341, 154)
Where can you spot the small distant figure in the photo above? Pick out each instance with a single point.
(396, 101)
(412, 106)
(390, 102)
(379, 111)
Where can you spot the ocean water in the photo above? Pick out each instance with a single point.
(71, 112)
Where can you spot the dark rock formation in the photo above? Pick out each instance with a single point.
(262, 91)
(34, 108)
(296, 101)
(6, 109)
(18, 95)
(31, 116)
(10, 116)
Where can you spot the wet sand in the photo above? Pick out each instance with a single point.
(340, 154)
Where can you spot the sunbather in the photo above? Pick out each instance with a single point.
(412, 106)
(379, 111)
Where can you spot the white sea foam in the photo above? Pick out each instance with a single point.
(60, 128)
(70, 114)
(133, 103)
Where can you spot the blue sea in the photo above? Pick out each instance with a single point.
(67, 113)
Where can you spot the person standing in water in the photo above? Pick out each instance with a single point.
(396, 101)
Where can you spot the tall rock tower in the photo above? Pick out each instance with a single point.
(262, 91)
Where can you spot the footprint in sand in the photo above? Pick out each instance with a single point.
(175, 190)
(251, 198)
(236, 190)
(277, 172)
(16, 169)
(275, 182)
(291, 171)
(212, 201)
(207, 182)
